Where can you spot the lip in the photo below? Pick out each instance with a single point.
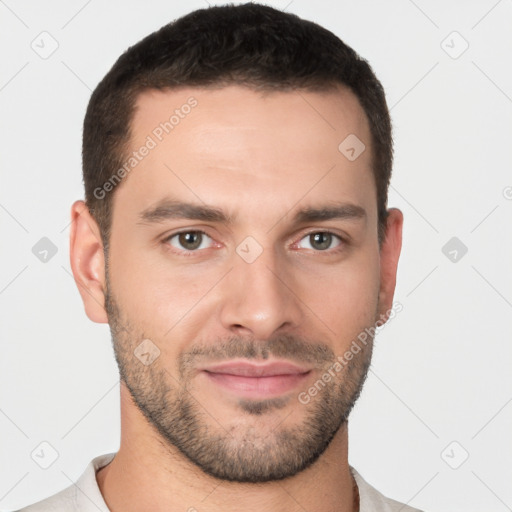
(246, 369)
(257, 380)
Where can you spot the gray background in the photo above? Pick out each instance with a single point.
(440, 385)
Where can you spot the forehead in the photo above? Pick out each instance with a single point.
(236, 146)
(302, 113)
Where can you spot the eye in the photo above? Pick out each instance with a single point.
(320, 240)
(189, 240)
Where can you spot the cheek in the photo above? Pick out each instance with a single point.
(347, 298)
(166, 301)
(163, 299)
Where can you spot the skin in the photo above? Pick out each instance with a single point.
(261, 158)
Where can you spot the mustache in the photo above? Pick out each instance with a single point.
(286, 346)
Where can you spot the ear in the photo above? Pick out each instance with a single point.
(87, 261)
(389, 255)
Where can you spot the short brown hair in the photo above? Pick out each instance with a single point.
(251, 44)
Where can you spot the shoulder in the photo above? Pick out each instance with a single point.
(82, 496)
(371, 500)
(63, 500)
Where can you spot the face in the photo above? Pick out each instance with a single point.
(243, 263)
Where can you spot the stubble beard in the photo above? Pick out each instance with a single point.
(243, 453)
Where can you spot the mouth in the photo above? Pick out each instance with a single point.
(257, 381)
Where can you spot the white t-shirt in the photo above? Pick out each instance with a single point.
(85, 495)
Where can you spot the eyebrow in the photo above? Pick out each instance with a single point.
(172, 209)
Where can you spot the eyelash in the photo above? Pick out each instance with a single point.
(188, 253)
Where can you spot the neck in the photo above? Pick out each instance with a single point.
(147, 473)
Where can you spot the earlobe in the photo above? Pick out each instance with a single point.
(389, 256)
(87, 261)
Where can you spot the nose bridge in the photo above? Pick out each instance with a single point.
(259, 296)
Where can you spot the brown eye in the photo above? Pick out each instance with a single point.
(189, 240)
(321, 240)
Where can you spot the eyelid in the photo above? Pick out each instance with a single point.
(331, 231)
(167, 238)
(344, 240)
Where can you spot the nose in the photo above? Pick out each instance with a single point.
(259, 299)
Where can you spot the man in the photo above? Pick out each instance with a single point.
(236, 237)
